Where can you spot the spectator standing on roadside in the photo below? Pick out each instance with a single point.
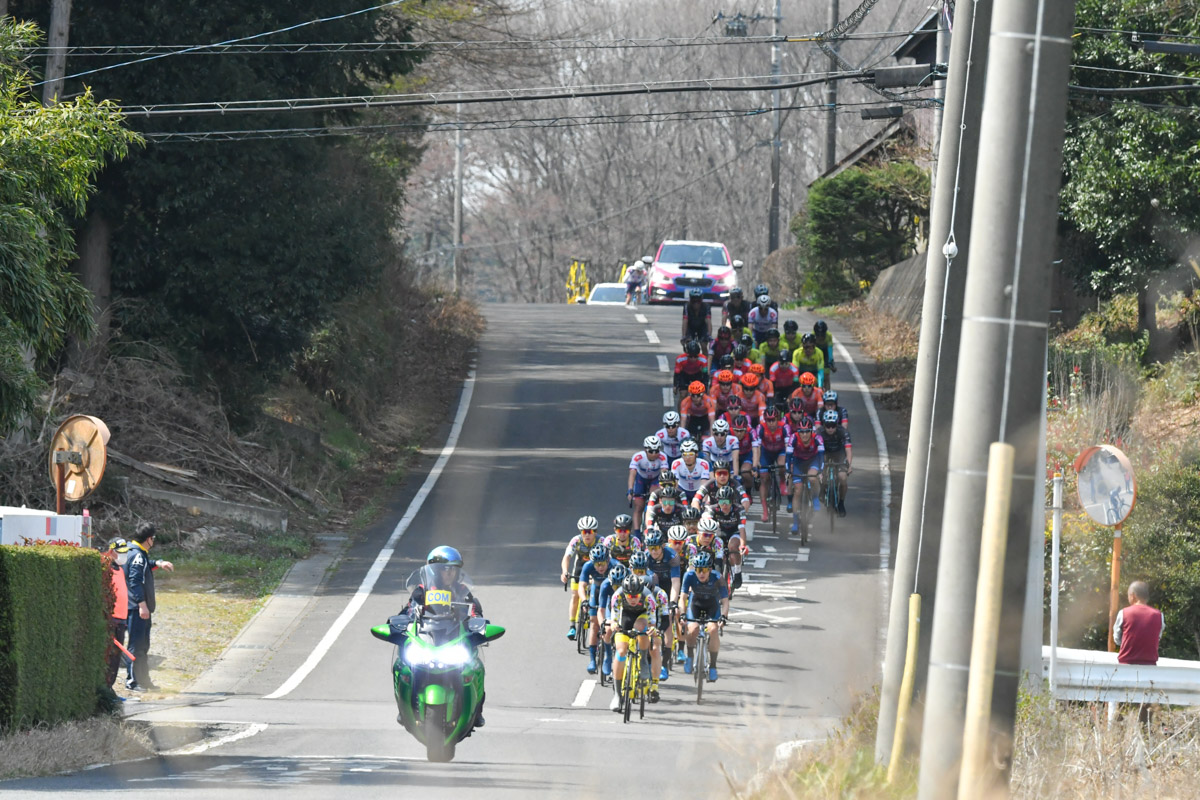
(118, 553)
(1138, 628)
(139, 579)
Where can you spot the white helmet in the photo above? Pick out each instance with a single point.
(720, 426)
(689, 446)
(677, 533)
(764, 300)
(587, 523)
(709, 525)
(651, 443)
(671, 418)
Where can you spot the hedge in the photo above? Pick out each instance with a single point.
(53, 634)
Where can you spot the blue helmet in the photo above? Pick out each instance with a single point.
(617, 573)
(444, 555)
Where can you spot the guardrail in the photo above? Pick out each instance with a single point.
(1095, 676)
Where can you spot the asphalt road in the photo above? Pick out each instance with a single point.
(563, 396)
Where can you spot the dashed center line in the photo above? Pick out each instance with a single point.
(663, 366)
(584, 694)
(641, 318)
(652, 336)
(668, 397)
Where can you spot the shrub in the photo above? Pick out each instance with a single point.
(53, 634)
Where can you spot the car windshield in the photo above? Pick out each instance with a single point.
(693, 254)
(607, 294)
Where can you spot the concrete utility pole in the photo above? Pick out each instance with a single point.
(56, 61)
(939, 87)
(776, 124)
(831, 97)
(457, 270)
(999, 367)
(920, 530)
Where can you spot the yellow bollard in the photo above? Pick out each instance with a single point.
(906, 685)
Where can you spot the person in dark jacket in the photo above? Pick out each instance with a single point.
(139, 580)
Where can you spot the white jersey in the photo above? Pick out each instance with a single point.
(760, 322)
(715, 452)
(690, 479)
(670, 444)
(647, 468)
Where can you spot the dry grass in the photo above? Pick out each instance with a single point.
(70, 746)
(892, 344)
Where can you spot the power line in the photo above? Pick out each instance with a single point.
(1135, 72)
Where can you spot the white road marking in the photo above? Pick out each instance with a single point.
(652, 336)
(746, 626)
(641, 318)
(663, 366)
(885, 500)
(193, 749)
(768, 548)
(668, 397)
(385, 555)
(584, 694)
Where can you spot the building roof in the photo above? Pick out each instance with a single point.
(921, 44)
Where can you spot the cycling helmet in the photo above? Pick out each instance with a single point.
(737, 321)
(759, 370)
(740, 352)
(795, 405)
(689, 446)
(617, 572)
(696, 294)
(750, 380)
(668, 493)
(654, 538)
(773, 334)
(599, 554)
(791, 326)
(785, 356)
(639, 560)
(444, 555)
(831, 396)
(695, 387)
(726, 493)
(587, 523)
(725, 361)
(820, 329)
(725, 375)
(666, 478)
(709, 525)
(651, 443)
(771, 414)
(741, 421)
(831, 417)
(623, 521)
(808, 338)
(692, 348)
(804, 426)
(702, 561)
(764, 301)
(735, 292)
(690, 513)
(761, 289)
(670, 419)
(677, 533)
(748, 341)
(632, 584)
(719, 427)
(720, 465)
(808, 379)
(724, 333)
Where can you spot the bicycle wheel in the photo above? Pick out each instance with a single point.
(581, 628)
(806, 512)
(701, 663)
(627, 684)
(832, 499)
(773, 502)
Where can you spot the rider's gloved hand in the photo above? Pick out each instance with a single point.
(629, 493)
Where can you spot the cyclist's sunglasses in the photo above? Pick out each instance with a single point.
(672, 425)
(705, 570)
(725, 383)
(639, 572)
(622, 530)
(654, 547)
(831, 425)
(724, 472)
(586, 531)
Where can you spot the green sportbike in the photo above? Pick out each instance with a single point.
(437, 673)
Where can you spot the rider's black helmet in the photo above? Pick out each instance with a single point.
(791, 326)
(820, 328)
(696, 294)
(692, 348)
(735, 292)
(623, 521)
(737, 321)
(632, 584)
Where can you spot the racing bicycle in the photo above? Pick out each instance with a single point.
(636, 682)
(769, 496)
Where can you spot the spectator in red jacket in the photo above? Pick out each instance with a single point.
(1138, 628)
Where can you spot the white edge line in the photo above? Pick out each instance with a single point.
(368, 582)
(885, 486)
(200, 747)
(584, 694)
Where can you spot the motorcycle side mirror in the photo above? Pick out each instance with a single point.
(386, 633)
(492, 632)
(738, 265)
(400, 622)
(476, 625)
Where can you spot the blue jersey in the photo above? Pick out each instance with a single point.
(665, 568)
(590, 573)
(704, 594)
(605, 593)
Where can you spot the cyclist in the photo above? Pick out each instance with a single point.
(621, 543)
(762, 318)
(742, 431)
(690, 365)
(720, 446)
(706, 540)
(791, 335)
(837, 451)
(824, 341)
(644, 468)
(697, 319)
(795, 415)
(643, 565)
(725, 362)
(667, 510)
(616, 574)
(753, 401)
(691, 521)
(723, 345)
(690, 470)
(631, 609)
(735, 306)
(671, 435)
(809, 358)
(763, 289)
(808, 394)
(707, 598)
(764, 382)
(578, 551)
(725, 393)
(785, 377)
(635, 276)
(665, 478)
(731, 520)
(697, 410)
(663, 562)
(768, 350)
(738, 329)
(805, 458)
(593, 574)
(829, 402)
(741, 361)
(722, 477)
(770, 448)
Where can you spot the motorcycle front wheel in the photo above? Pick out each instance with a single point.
(436, 731)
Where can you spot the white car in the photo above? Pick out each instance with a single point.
(607, 294)
(681, 266)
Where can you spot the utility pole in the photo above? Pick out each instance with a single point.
(939, 86)
(1000, 361)
(56, 61)
(457, 269)
(831, 98)
(920, 529)
(777, 123)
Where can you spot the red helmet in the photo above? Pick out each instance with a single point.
(804, 426)
(808, 379)
(696, 387)
(750, 380)
(771, 414)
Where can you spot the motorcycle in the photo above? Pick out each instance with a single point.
(437, 673)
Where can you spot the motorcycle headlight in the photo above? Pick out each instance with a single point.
(417, 654)
(453, 656)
